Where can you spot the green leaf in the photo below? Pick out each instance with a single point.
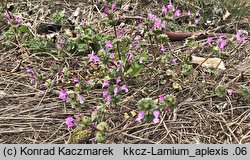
(82, 46)
(134, 70)
(163, 38)
(190, 42)
(23, 29)
(244, 91)
(144, 55)
(148, 118)
(186, 69)
(220, 91)
(58, 17)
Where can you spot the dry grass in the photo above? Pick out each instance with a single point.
(26, 116)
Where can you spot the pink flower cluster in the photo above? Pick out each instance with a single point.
(157, 22)
(70, 122)
(116, 89)
(222, 42)
(32, 74)
(61, 42)
(9, 18)
(196, 18)
(156, 114)
(240, 38)
(161, 99)
(170, 8)
(230, 91)
(93, 58)
(63, 95)
(107, 9)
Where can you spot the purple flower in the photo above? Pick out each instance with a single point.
(177, 13)
(163, 25)
(241, 63)
(93, 126)
(170, 6)
(7, 21)
(41, 93)
(140, 25)
(223, 44)
(70, 122)
(166, 108)
(61, 73)
(90, 82)
(106, 10)
(240, 38)
(109, 97)
(32, 79)
(196, 21)
(163, 49)
(63, 95)
(220, 39)
(230, 91)
(58, 46)
(75, 80)
(80, 99)
(113, 6)
(137, 38)
(124, 88)
(118, 80)
(108, 100)
(175, 60)
(62, 41)
(164, 10)
(105, 83)
(112, 56)
(83, 22)
(160, 98)
(110, 69)
(118, 66)
(93, 58)
(41, 85)
(141, 115)
(130, 56)
(7, 17)
(95, 111)
(120, 32)
(156, 114)
(156, 23)
(150, 16)
(53, 63)
(115, 91)
(189, 13)
(104, 93)
(29, 70)
(18, 20)
(209, 41)
(108, 44)
(137, 46)
(197, 14)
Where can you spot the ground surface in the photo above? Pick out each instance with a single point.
(26, 116)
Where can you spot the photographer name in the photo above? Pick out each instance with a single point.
(65, 151)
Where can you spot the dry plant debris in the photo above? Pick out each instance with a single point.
(162, 91)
